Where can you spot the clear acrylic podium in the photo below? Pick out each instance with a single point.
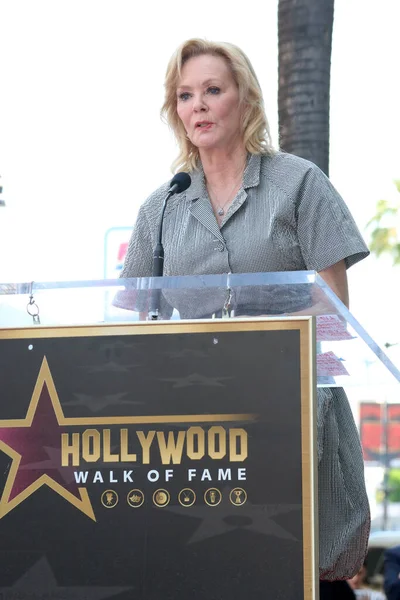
(174, 457)
(343, 348)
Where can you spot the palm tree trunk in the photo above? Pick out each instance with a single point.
(304, 44)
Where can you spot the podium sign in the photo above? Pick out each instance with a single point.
(168, 460)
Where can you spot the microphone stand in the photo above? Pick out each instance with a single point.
(179, 183)
(158, 264)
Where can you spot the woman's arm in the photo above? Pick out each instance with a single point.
(336, 277)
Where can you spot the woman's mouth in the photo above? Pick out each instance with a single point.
(203, 125)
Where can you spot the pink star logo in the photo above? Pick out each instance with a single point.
(27, 440)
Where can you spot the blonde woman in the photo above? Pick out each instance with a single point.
(252, 209)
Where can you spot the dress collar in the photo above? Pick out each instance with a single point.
(251, 178)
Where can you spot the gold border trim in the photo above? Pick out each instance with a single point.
(155, 328)
(309, 458)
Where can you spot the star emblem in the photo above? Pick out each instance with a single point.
(110, 366)
(96, 403)
(39, 582)
(25, 442)
(224, 518)
(196, 379)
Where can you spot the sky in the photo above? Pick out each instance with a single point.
(82, 144)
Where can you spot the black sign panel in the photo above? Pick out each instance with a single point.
(157, 461)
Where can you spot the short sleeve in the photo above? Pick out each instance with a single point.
(327, 232)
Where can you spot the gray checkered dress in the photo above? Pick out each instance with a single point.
(287, 216)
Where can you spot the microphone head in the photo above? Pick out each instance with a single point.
(180, 182)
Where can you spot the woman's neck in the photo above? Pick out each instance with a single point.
(221, 167)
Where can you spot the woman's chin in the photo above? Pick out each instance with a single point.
(210, 144)
(204, 143)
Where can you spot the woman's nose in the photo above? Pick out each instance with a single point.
(199, 105)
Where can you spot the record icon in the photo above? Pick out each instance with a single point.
(161, 498)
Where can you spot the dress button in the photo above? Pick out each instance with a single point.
(220, 247)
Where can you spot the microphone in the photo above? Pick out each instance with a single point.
(179, 183)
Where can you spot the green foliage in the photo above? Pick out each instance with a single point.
(385, 229)
(394, 485)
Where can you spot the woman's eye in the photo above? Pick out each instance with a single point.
(213, 90)
(184, 96)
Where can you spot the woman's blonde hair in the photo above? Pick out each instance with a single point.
(255, 129)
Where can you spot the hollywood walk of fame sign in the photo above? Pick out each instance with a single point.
(156, 459)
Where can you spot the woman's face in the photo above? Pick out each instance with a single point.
(208, 103)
